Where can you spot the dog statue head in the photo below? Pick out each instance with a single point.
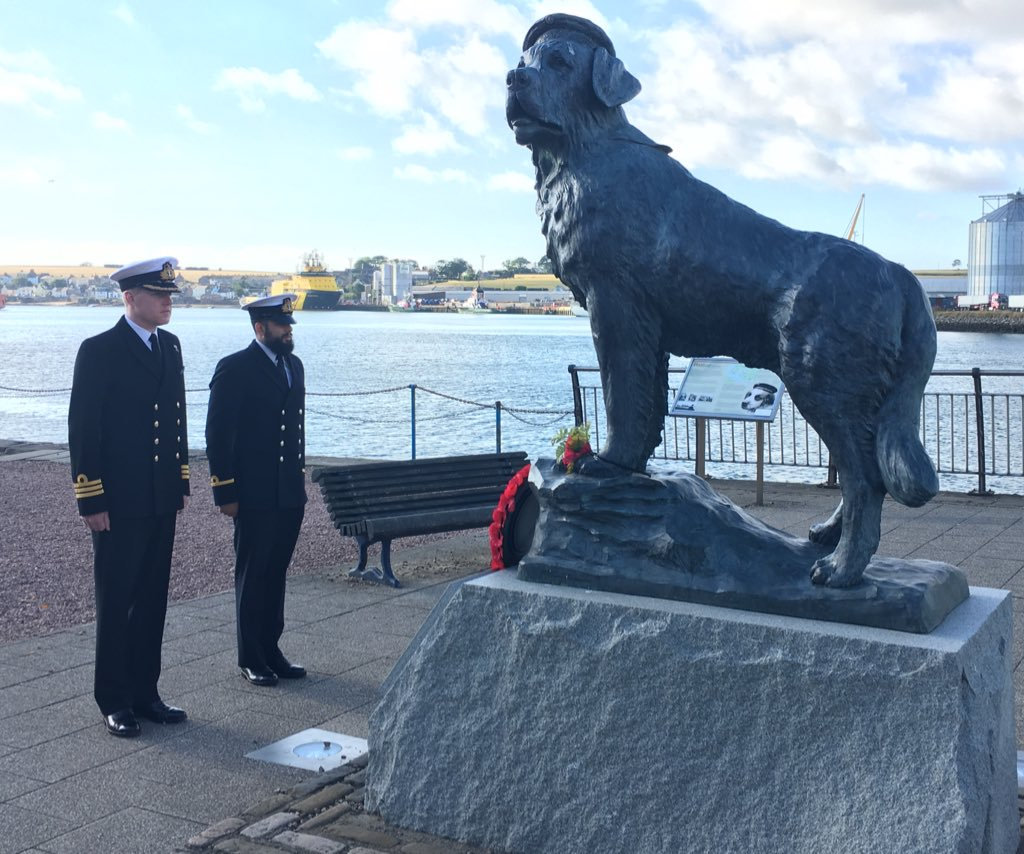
(568, 76)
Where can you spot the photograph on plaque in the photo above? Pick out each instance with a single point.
(724, 388)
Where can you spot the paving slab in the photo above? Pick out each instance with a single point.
(14, 785)
(52, 721)
(309, 704)
(67, 755)
(131, 831)
(26, 828)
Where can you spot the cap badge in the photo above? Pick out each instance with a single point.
(167, 272)
(286, 306)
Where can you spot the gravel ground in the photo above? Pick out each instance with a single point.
(46, 553)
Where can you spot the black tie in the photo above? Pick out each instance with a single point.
(284, 373)
(154, 344)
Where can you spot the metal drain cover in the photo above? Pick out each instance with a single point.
(312, 749)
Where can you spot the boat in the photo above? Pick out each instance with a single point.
(475, 303)
(315, 288)
(402, 305)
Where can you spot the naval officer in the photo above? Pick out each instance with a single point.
(256, 447)
(129, 467)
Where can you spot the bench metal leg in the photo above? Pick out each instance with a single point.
(387, 576)
(358, 570)
(382, 575)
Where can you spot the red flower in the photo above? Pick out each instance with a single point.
(572, 454)
(506, 506)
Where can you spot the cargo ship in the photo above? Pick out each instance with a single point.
(315, 287)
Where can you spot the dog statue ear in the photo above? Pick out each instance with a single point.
(613, 85)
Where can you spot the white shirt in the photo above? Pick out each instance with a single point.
(273, 358)
(142, 333)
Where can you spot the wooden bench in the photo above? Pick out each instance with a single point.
(377, 502)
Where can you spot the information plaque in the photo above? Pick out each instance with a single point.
(723, 388)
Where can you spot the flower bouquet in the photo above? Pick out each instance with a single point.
(572, 444)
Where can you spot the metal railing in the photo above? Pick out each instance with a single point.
(971, 428)
(974, 433)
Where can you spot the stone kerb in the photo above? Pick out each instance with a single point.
(544, 719)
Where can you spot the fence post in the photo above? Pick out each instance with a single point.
(701, 431)
(497, 426)
(979, 416)
(832, 481)
(412, 416)
(759, 489)
(577, 396)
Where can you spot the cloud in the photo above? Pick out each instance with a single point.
(28, 80)
(21, 175)
(906, 22)
(385, 60)
(355, 152)
(105, 121)
(253, 85)
(832, 102)
(977, 99)
(124, 14)
(477, 16)
(919, 166)
(415, 172)
(466, 84)
(778, 92)
(427, 138)
(395, 76)
(515, 182)
(192, 123)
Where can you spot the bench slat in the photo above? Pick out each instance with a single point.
(429, 523)
(454, 497)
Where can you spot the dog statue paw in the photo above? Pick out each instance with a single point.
(595, 466)
(831, 573)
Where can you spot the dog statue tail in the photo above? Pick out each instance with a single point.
(907, 470)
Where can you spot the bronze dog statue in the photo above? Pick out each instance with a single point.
(668, 264)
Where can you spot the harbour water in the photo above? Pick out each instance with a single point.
(520, 360)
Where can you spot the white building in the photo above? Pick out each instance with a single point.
(392, 281)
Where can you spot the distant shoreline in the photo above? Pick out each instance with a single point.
(1007, 322)
(980, 321)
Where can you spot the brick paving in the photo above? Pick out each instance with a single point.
(65, 786)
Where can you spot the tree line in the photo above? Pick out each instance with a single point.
(455, 268)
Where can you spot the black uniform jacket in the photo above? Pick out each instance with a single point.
(255, 432)
(126, 425)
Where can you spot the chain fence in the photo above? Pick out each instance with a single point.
(410, 416)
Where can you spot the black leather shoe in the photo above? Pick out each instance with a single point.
(286, 670)
(262, 676)
(160, 713)
(122, 724)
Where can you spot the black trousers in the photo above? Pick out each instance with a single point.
(264, 542)
(131, 567)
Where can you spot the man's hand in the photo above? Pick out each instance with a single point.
(98, 521)
(230, 509)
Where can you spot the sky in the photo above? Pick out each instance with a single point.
(241, 134)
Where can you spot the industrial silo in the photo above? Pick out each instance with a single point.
(996, 253)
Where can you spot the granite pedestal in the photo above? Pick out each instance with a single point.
(534, 718)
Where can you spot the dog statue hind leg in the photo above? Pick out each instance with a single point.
(855, 526)
(881, 452)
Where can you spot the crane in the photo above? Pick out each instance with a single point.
(853, 222)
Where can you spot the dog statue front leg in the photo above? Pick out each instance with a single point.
(630, 358)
